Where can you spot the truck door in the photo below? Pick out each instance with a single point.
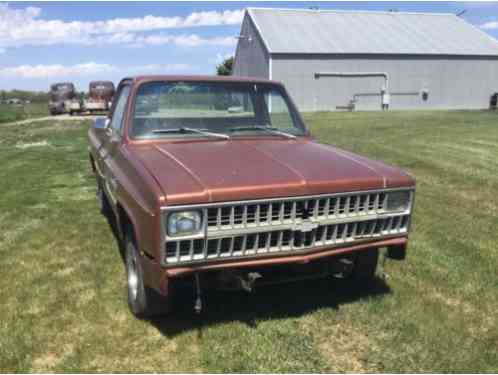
(111, 143)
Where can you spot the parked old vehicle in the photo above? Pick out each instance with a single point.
(216, 181)
(63, 99)
(100, 94)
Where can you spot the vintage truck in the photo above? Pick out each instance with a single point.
(63, 98)
(216, 183)
(100, 94)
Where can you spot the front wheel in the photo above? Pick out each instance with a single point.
(143, 302)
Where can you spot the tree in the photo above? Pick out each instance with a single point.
(225, 68)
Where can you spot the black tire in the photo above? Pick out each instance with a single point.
(104, 206)
(365, 265)
(143, 301)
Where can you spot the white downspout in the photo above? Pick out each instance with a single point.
(269, 77)
(270, 68)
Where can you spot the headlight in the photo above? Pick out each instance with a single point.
(184, 223)
(398, 201)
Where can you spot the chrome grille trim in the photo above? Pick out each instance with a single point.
(253, 228)
(284, 241)
(294, 211)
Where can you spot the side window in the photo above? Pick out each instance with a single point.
(119, 110)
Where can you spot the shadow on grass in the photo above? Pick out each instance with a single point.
(280, 301)
(268, 302)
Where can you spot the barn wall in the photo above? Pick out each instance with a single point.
(251, 59)
(452, 83)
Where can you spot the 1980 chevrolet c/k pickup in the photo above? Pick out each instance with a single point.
(216, 181)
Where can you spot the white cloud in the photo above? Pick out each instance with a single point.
(86, 69)
(191, 40)
(136, 40)
(20, 27)
(147, 23)
(492, 25)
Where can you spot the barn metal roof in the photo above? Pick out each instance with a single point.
(364, 32)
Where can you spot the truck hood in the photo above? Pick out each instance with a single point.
(215, 171)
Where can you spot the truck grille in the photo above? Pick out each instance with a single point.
(282, 240)
(287, 226)
(293, 211)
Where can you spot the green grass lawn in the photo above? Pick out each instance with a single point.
(11, 113)
(62, 285)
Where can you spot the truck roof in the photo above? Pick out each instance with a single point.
(54, 86)
(93, 83)
(202, 78)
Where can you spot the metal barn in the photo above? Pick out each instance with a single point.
(357, 60)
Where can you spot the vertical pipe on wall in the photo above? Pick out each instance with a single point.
(269, 77)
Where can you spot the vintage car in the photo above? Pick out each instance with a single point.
(215, 182)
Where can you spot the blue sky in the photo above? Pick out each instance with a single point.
(42, 42)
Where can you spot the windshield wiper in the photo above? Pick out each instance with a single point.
(191, 130)
(268, 129)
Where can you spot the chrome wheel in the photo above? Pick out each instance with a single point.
(143, 301)
(131, 265)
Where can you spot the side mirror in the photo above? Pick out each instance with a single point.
(101, 123)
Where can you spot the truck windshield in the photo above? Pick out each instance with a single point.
(163, 108)
(62, 91)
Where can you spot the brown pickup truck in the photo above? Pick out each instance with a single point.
(217, 183)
